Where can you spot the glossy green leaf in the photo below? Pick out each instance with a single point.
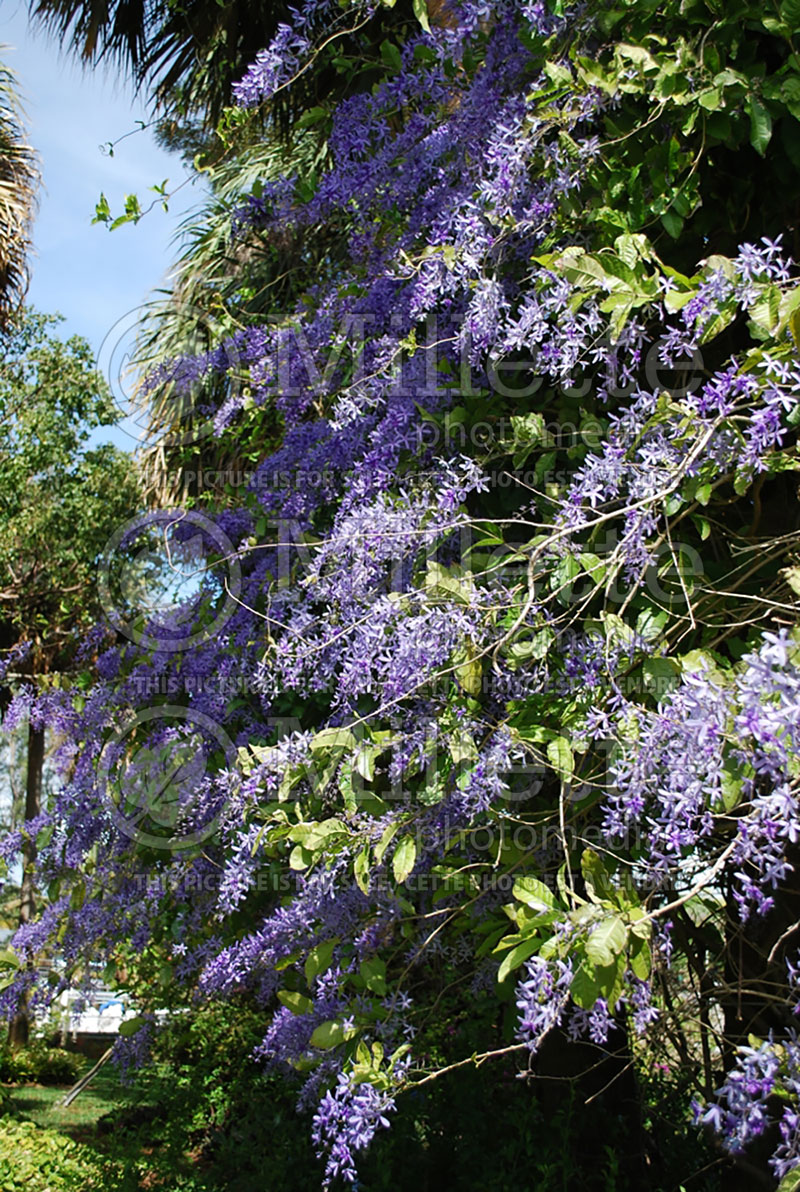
(404, 859)
(607, 940)
(319, 959)
(296, 1002)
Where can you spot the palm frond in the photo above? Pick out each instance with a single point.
(19, 185)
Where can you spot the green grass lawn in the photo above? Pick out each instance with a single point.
(47, 1147)
(40, 1103)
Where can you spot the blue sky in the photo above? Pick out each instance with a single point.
(94, 277)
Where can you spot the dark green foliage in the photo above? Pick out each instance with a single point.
(205, 1118)
(40, 1065)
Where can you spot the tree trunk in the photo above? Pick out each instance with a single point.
(19, 1028)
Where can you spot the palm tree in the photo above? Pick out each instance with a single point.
(188, 55)
(19, 182)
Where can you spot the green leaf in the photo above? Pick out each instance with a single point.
(421, 13)
(365, 760)
(701, 660)
(675, 300)
(617, 630)
(333, 738)
(345, 781)
(592, 981)
(535, 647)
(404, 859)
(760, 125)
(794, 327)
(559, 754)
(660, 675)
(595, 875)
(593, 565)
(639, 958)
(559, 75)
(462, 747)
(651, 624)
(730, 786)
(391, 55)
(790, 13)
(703, 526)
(633, 248)
(672, 223)
(296, 1002)
(389, 833)
(607, 940)
(765, 313)
(790, 1182)
(792, 577)
(517, 956)
(585, 987)
(361, 870)
(533, 893)
(374, 974)
(719, 322)
(300, 858)
(319, 959)
(131, 1025)
(711, 99)
(562, 575)
(312, 116)
(331, 1034)
(102, 211)
(469, 669)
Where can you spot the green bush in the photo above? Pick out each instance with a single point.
(208, 1117)
(33, 1159)
(14, 1066)
(40, 1064)
(53, 1065)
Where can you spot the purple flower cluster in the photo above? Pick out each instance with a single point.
(291, 48)
(542, 999)
(345, 1122)
(744, 1105)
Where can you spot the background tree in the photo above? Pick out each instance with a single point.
(60, 501)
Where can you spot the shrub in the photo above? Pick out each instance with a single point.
(44, 1065)
(42, 1160)
(14, 1066)
(53, 1065)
